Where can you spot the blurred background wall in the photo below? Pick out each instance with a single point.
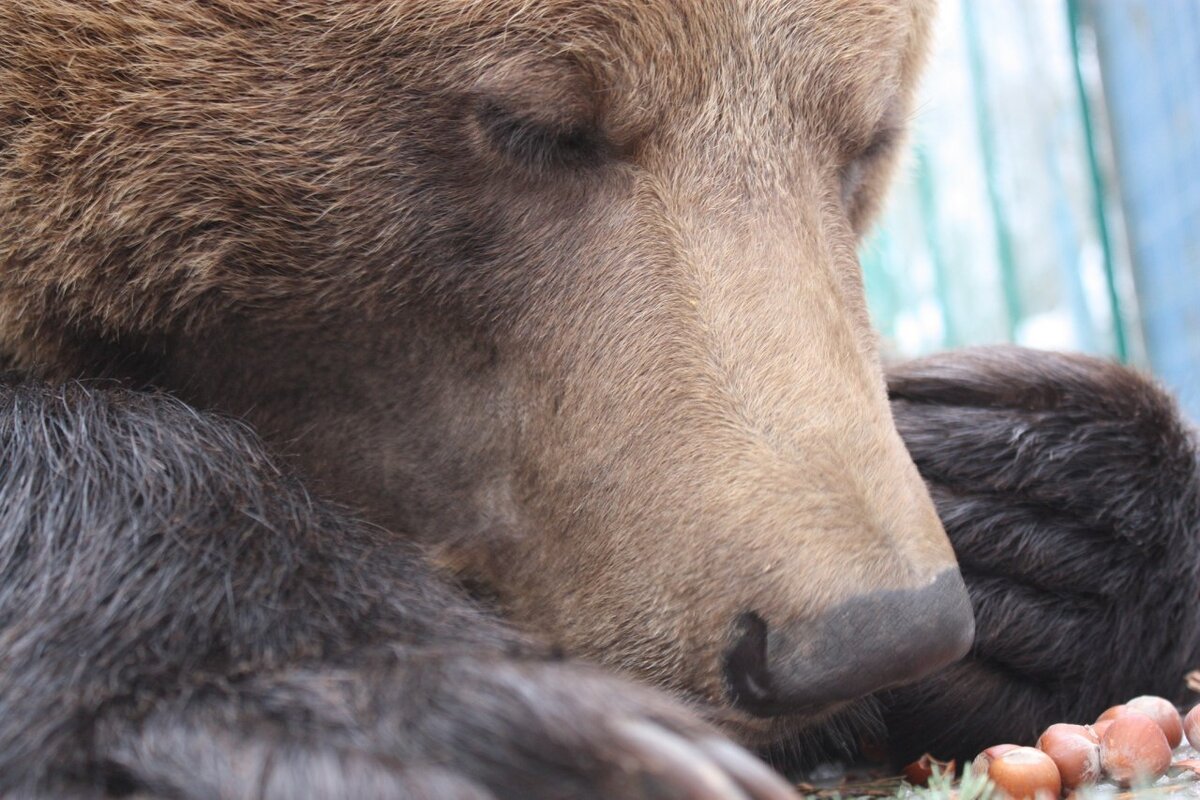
(1053, 193)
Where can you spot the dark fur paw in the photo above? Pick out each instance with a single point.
(1070, 489)
(465, 726)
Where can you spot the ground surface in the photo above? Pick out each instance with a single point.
(835, 783)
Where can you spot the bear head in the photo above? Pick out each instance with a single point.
(566, 291)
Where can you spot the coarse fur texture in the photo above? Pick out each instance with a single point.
(565, 292)
(181, 620)
(1070, 488)
(558, 302)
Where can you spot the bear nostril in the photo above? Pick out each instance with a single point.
(746, 670)
(869, 641)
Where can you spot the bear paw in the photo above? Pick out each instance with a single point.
(1070, 489)
(436, 727)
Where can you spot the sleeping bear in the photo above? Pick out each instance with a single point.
(476, 398)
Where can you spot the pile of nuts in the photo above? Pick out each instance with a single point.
(1128, 744)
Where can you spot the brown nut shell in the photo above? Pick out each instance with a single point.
(1075, 751)
(1025, 772)
(1191, 727)
(920, 771)
(1134, 749)
(1163, 712)
(984, 760)
(1111, 713)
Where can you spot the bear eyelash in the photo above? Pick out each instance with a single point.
(854, 172)
(881, 143)
(539, 144)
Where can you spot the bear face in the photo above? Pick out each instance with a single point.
(566, 292)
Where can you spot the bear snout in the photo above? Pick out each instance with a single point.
(870, 641)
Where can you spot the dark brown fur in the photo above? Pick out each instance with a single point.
(178, 618)
(1070, 488)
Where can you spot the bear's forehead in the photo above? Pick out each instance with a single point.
(817, 59)
(687, 38)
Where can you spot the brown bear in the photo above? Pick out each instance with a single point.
(558, 303)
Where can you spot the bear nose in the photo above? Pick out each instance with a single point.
(866, 643)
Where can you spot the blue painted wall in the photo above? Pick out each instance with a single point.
(1150, 54)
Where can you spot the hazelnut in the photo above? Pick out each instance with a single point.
(1022, 772)
(1163, 712)
(1111, 713)
(920, 771)
(1191, 727)
(1075, 751)
(1134, 748)
(984, 760)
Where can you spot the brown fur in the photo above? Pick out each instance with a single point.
(567, 291)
